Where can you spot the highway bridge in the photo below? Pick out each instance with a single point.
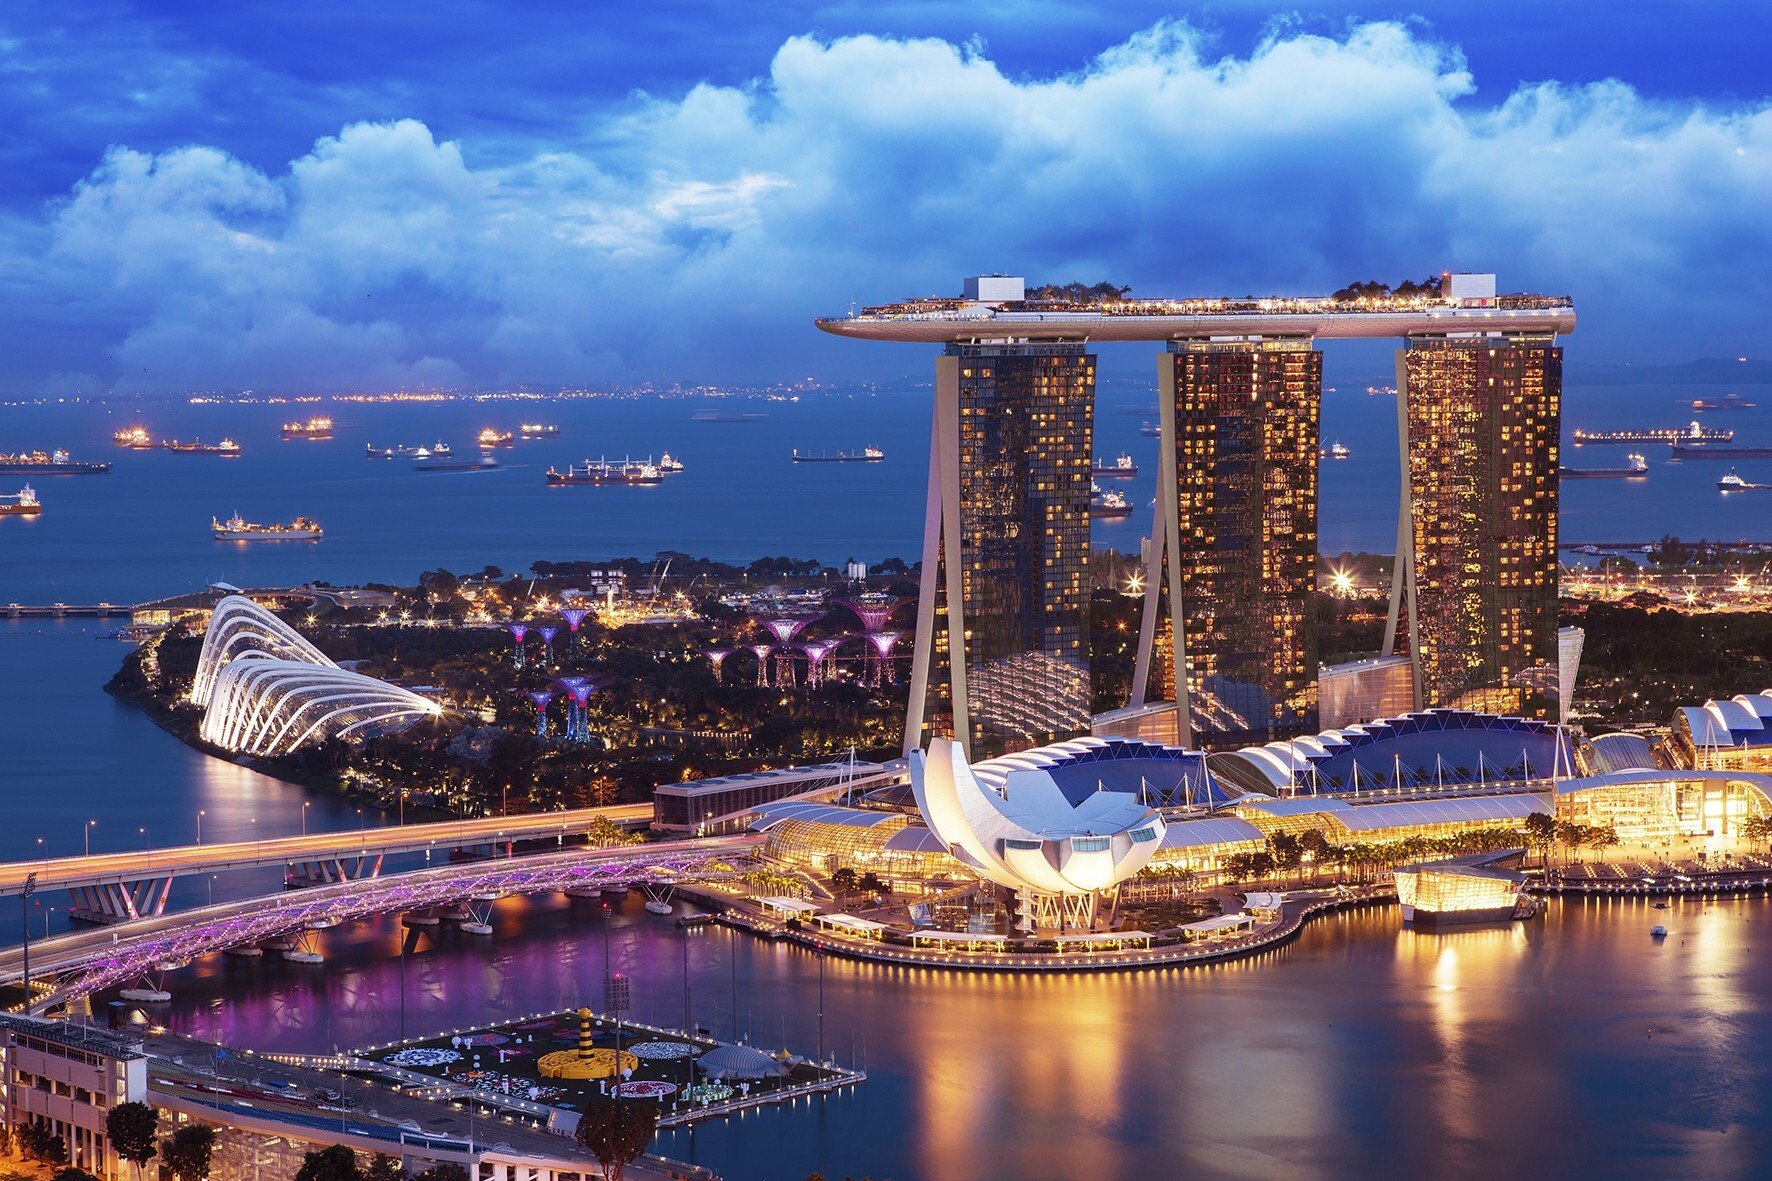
(91, 961)
(123, 887)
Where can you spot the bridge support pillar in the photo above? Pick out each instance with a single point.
(120, 902)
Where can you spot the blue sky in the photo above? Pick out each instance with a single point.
(345, 195)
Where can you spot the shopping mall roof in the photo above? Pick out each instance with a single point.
(1216, 830)
(770, 815)
(1743, 720)
(1403, 813)
(1651, 777)
(1158, 775)
(1621, 752)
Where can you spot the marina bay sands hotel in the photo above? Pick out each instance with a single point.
(1227, 650)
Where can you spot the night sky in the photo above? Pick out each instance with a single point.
(332, 195)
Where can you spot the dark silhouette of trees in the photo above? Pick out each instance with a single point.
(187, 1151)
(134, 1130)
(616, 1132)
(337, 1163)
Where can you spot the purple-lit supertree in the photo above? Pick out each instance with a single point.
(541, 697)
(581, 696)
(883, 643)
(816, 652)
(784, 631)
(574, 703)
(573, 617)
(874, 616)
(547, 635)
(717, 657)
(762, 651)
(518, 631)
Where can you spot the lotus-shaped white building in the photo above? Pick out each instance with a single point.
(1058, 856)
(267, 691)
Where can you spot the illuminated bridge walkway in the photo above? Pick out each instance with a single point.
(90, 961)
(123, 887)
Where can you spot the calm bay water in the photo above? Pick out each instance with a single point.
(143, 530)
(1570, 1047)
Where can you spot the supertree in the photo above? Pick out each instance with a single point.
(816, 652)
(574, 703)
(573, 617)
(762, 651)
(883, 643)
(874, 615)
(547, 635)
(581, 696)
(541, 697)
(717, 657)
(518, 631)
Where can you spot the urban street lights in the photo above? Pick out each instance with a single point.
(306, 804)
(200, 814)
(87, 831)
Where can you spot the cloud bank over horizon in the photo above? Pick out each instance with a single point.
(693, 237)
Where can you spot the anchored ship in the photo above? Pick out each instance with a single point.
(134, 437)
(1336, 450)
(1729, 401)
(440, 459)
(1149, 430)
(50, 463)
(1734, 483)
(538, 430)
(1122, 468)
(669, 465)
(1110, 506)
(1705, 449)
(318, 427)
(237, 528)
(494, 438)
(602, 472)
(397, 451)
(865, 455)
(22, 503)
(227, 448)
(1635, 468)
(1690, 433)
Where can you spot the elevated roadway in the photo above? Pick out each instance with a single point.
(119, 887)
(85, 962)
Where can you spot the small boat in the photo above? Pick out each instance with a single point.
(1635, 468)
(538, 430)
(1661, 906)
(654, 906)
(1149, 430)
(1734, 483)
(317, 427)
(1336, 450)
(237, 528)
(1122, 468)
(1658, 932)
(865, 455)
(493, 438)
(1729, 401)
(23, 503)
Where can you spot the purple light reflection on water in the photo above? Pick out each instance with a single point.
(1569, 1046)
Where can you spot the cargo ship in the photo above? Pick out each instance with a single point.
(494, 438)
(1110, 506)
(1635, 467)
(1122, 468)
(1149, 430)
(728, 416)
(669, 465)
(602, 472)
(23, 503)
(237, 528)
(397, 451)
(1705, 449)
(1729, 401)
(51, 463)
(1691, 433)
(865, 455)
(538, 430)
(136, 438)
(444, 461)
(1335, 450)
(318, 427)
(227, 448)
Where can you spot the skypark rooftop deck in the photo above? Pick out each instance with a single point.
(941, 321)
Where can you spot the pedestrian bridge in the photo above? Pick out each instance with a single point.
(123, 887)
(86, 962)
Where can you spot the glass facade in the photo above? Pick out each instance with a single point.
(1025, 441)
(1483, 416)
(1246, 443)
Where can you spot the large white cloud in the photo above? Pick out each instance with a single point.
(694, 237)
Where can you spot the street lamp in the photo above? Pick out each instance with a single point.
(200, 814)
(88, 834)
(147, 841)
(306, 804)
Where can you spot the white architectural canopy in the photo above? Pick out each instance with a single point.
(271, 707)
(1029, 836)
(240, 629)
(266, 690)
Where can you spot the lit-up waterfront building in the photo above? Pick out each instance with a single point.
(1477, 545)
(1667, 810)
(994, 664)
(1731, 735)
